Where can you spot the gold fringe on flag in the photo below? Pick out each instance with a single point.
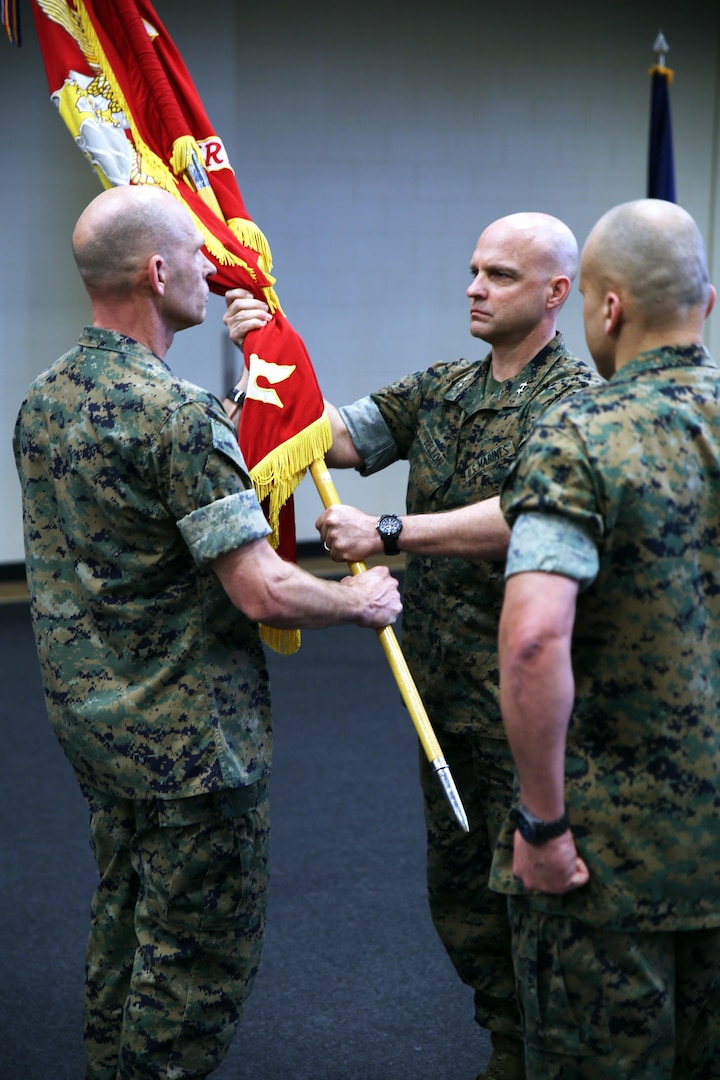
(277, 475)
(275, 478)
(285, 642)
(251, 236)
(280, 472)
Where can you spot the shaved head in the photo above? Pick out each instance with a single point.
(120, 229)
(654, 252)
(542, 237)
(141, 259)
(522, 271)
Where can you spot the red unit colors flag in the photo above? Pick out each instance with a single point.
(127, 98)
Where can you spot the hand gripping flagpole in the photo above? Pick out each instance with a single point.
(398, 665)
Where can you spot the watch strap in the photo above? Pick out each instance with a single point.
(389, 527)
(536, 831)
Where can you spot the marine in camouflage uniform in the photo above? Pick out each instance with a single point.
(460, 430)
(157, 689)
(620, 491)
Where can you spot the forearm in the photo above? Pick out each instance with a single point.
(472, 532)
(477, 531)
(278, 593)
(536, 707)
(536, 697)
(234, 407)
(537, 685)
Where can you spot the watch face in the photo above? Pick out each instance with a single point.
(389, 525)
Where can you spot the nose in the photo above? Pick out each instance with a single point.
(210, 267)
(476, 287)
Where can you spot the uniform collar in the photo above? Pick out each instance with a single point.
(668, 356)
(473, 392)
(97, 337)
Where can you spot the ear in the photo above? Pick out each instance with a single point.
(558, 290)
(156, 274)
(711, 300)
(612, 312)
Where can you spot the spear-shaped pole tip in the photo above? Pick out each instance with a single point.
(661, 47)
(442, 771)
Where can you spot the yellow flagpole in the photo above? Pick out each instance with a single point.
(398, 664)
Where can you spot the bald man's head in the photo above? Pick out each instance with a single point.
(653, 251)
(522, 272)
(543, 237)
(143, 264)
(120, 229)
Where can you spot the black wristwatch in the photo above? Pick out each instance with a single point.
(534, 830)
(236, 396)
(389, 527)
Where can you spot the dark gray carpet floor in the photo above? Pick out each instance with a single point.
(353, 985)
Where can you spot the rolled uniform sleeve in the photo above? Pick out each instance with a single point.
(222, 526)
(551, 544)
(370, 435)
(215, 506)
(554, 474)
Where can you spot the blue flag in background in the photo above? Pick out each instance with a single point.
(11, 20)
(661, 168)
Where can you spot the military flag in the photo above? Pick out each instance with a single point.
(129, 102)
(661, 167)
(127, 98)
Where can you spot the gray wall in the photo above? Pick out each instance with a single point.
(372, 143)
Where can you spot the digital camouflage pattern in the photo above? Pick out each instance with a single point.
(156, 686)
(132, 483)
(636, 463)
(460, 432)
(471, 920)
(176, 930)
(600, 1004)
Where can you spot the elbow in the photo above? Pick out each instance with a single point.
(254, 609)
(519, 664)
(262, 605)
(529, 651)
(525, 650)
(254, 580)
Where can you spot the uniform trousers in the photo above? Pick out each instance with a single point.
(176, 932)
(604, 1005)
(471, 921)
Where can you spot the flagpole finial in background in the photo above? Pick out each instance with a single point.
(661, 47)
(661, 168)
